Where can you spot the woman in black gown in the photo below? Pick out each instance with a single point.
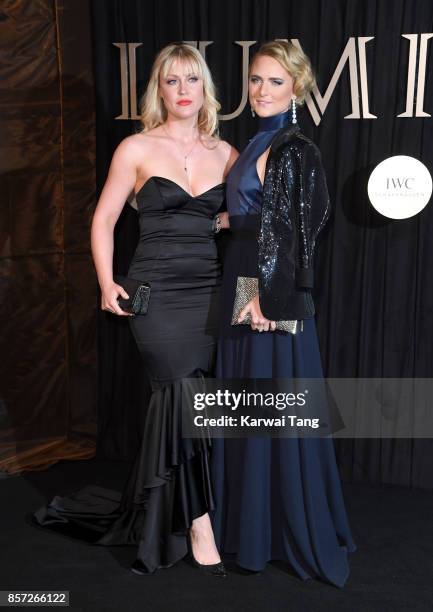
(176, 167)
(277, 498)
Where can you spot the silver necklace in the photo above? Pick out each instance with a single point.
(185, 157)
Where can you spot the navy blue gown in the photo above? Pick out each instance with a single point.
(276, 498)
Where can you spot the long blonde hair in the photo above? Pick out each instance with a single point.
(152, 109)
(295, 61)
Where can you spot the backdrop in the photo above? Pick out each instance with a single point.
(373, 295)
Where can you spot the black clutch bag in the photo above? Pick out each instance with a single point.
(139, 294)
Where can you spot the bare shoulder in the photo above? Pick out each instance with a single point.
(231, 150)
(135, 144)
(222, 147)
(133, 149)
(231, 155)
(228, 149)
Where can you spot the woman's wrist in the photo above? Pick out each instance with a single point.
(224, 220)
(105, 283)
(217, 224)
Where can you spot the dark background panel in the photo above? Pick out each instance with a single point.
(372, 294)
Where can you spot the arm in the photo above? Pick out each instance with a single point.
(233, 154)
(312, 209)
(119, 184)
(295, 207)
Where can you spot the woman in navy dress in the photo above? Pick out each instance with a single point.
(276, 498)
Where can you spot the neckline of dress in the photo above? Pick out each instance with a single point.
(275, 122)
(164, 178)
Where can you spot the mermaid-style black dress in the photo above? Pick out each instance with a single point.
(169, 484)
(276, 498)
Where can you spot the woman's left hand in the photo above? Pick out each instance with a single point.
(258, 321)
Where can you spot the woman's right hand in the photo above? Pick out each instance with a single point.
(109, 295)
(258, 321)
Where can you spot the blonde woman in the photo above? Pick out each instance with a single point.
(277, 498)
(176, 167)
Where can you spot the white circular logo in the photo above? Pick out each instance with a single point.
(399, 187)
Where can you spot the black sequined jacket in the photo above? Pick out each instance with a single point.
(295, 208)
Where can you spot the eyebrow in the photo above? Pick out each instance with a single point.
(170, 74)
(272, 77)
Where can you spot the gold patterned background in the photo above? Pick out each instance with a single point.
(47, 193)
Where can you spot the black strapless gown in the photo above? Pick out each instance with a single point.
(169, 484)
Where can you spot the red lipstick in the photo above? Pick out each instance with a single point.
(184, 102)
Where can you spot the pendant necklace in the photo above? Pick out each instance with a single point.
(185, 157)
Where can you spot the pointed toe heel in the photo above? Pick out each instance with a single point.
(215, 569)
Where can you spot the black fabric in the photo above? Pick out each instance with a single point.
(168, 487)
(373, 295)
(305, 278)
(169, 484)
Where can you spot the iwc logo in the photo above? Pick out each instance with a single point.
(400, 187)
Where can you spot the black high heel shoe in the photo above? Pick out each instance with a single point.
(216, 569)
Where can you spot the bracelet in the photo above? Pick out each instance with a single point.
(216, 226)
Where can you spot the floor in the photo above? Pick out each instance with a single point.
(391, 570)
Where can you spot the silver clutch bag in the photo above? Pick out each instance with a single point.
(246, 288)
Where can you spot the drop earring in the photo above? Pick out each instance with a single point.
(252, 111)
(293, 110)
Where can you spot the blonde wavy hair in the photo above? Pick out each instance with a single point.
(152, 109)
(295, 61)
